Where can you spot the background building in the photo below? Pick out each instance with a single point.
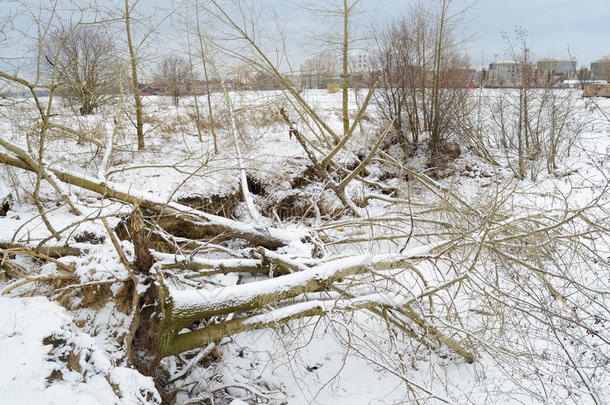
(550, 71)
(503, 74)
(600, 69)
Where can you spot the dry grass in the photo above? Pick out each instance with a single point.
(261, 117)
(220, 120)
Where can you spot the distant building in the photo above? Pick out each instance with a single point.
(503, 74)
(557, 65)
(600, 69)
(550, 71)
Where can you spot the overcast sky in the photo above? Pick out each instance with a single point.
(552, 26)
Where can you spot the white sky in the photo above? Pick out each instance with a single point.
(552, 25)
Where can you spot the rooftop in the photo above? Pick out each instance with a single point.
(558, 60)
(505, 62)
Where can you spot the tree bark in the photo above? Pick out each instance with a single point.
(134, 78)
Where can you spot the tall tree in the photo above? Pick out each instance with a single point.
(133, 59)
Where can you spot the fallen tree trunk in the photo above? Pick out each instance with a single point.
(51, 251)
(191, 305)
(199, 338)
(177, 219)
(163, 311)
(213, 333)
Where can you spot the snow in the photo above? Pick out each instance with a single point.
(27, 363)
(318, 360)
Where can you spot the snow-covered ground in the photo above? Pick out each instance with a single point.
(46, 359)
(58, 346)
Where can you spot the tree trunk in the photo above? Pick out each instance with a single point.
(134, 79)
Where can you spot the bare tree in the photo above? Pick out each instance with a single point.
(423, 77)
(174, 76)
(530, 124)
(84, 62)
(583, 74)
(319, 71)
(397, 75)
(520, 52)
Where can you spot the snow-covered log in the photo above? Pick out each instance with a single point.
(178, 218)
(200, 337)
(191, 305)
